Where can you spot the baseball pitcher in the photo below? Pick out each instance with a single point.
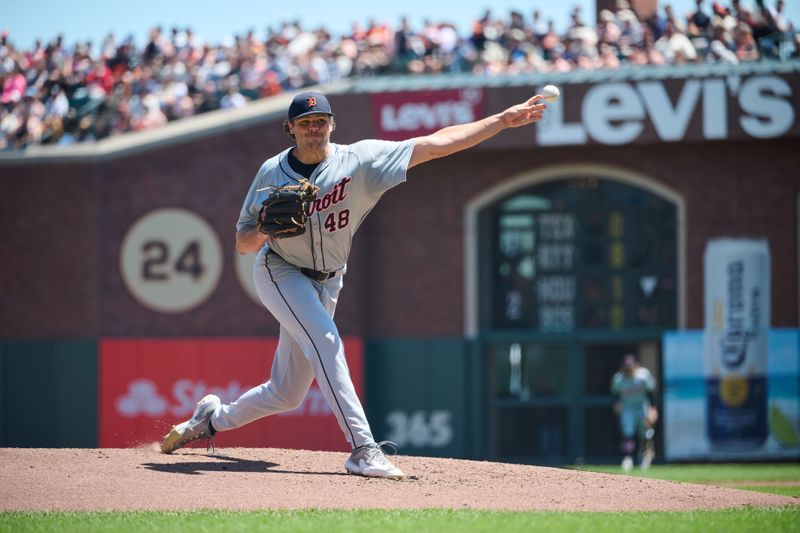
(300, 214)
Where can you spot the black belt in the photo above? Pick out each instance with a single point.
(316, 275)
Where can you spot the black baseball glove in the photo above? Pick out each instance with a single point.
(283, 213)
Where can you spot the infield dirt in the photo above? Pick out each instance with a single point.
(268, 478)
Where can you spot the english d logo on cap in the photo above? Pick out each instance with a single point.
(308, 104)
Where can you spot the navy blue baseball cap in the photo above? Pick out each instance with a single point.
(309, 103)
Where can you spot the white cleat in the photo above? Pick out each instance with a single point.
(647, 459)
(369, 460)
(627, 463)
(195, 428)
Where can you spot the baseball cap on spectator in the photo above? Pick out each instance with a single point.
(309, 103)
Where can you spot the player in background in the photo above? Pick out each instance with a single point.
(298, 279)
(635, 387)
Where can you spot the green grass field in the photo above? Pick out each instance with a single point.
(740, 476)
(761, 520)
(727, 475)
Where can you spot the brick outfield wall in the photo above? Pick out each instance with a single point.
(65, 222)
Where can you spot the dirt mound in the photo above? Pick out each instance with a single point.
(266, 478)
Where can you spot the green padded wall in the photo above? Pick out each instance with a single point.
(48, 393)
(424, 394)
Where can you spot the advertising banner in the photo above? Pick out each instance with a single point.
(737, 319)
(672, 110)
(686, 433)
(402, 115)
(148, 385)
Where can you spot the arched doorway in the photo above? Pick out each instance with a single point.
(573, 269)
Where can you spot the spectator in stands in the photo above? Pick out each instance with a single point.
(558, 62)
(670, 17)
(722, 47)
(83, 92)
(652, 55)
(101, 76)
(746, 49)
(624, 10)
(742, 14)
(14, 84)
(404, 45)
(698, 22)
(698, 28)
(539, 26)
(776, 29)
(722, 17)
(551, 43)
(675, 46)
(719, 53)
(148, 115)
(632, 33)
(608, 29)
(31, 119)
(582, 41)
(608, 57)
(656, 23)
(776, 20)
(153, 48)
(233, 99)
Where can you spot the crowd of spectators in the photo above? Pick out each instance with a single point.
(55, 94)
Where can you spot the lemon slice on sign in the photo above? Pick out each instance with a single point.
(782, 427)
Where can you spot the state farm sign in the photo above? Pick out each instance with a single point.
(147, 385)
(759, 107)
(144, 398)
(403, 115)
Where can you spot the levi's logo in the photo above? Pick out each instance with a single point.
(331, 198)
(312, 102)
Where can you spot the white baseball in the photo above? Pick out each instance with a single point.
(551, 93)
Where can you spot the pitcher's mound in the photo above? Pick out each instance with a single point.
(268, 478)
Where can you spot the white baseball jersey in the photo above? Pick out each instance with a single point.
(632, 391)
(351, 180)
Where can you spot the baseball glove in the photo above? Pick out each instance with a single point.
(651, 417)
(283, 213)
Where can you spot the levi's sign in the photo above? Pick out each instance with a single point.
(402, 115)
(758, 107)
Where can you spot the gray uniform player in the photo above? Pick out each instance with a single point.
(298, 279)
(635, 386)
